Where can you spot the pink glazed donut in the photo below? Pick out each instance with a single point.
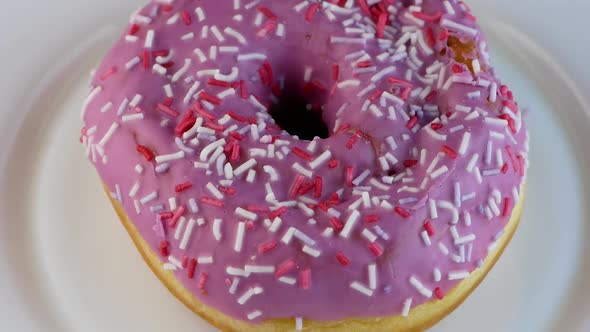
(306, 164)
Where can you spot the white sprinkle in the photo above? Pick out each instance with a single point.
(300, 6)
(457, 194)
(252, 56)
(350, 223)
(476, 66)
(459, 27)
(458, 275)
(372, 269)
(321, 159)
(239, 243)
(276, 223)
(349, 83)
(477, 174)
(406, 307)
(437, 275)
(200, 14)
(148, 198)
(425, 238)
(361, 288)
(464, 143)
(307, 74)
(280, 30)
(386, 71)
(493, 92)
(134, 189)
(440, 171)
(311, 251)
(472, 162)
(107, 107)
(433, 209)
(249, 293)
(217, 229)
(107, 136)
(131, 39)
(254, 314)
(170, 157)
(287, 280)
(302, 170)
(149, 39)
(187, 234)
(420, 287)
(259, 268)
(231, 32)
(361, 177)
(245, 214)
(367, 234)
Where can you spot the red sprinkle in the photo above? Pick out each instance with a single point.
(412, 122)
(311, 11)
(457, 69)
(145, 59)
(183, 186)
(342, 259)
(165, 215)
(213, 82)
(305, 277)
(267, 12)
(348, 176)
(410, 163)
(507, 206)
(133, 29)
(429, 228)
(375, 249)
(302, 154)
(203, 112)
(177, 214)
(296, 185)
(439, 293)
(164, 248)
(108, 73)
(267, 246)
(318, 182)
(429, 34)
(402, 212)
(243, 89)
(381, 21)
(449, 152)
(191, 268)
(336, 224)
(333, 163)
(147, 153)
(184, 263)
(436, 126)
(285, 268)
(504, 168)
(186, 18)
(335, 72)
(227, 190)
(371, 218)
(210, 98)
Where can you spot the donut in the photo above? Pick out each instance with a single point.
(309, 165)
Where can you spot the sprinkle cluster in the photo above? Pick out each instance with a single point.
(424, 164)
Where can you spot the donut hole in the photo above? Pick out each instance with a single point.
(299, 113)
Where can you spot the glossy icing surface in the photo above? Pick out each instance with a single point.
(415, 180)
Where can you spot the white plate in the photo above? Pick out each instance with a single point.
(67, 265)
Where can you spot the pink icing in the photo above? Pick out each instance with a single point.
(409, 114)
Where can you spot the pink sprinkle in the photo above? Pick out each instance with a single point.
(333, 163)
(168, 110)
(179, 212)
(267, 246)
(212, 201)
(305, 277)
(507, 206)
(296, 185)
(145, 59)
(184, 262)
(317, 192)
(381, 21)
(402, 212)
(243, 89)
(515, 163)
(202, 281)
(349, 175)
(335, 72)
(285, 268)
(108, 73)
(398, 81)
